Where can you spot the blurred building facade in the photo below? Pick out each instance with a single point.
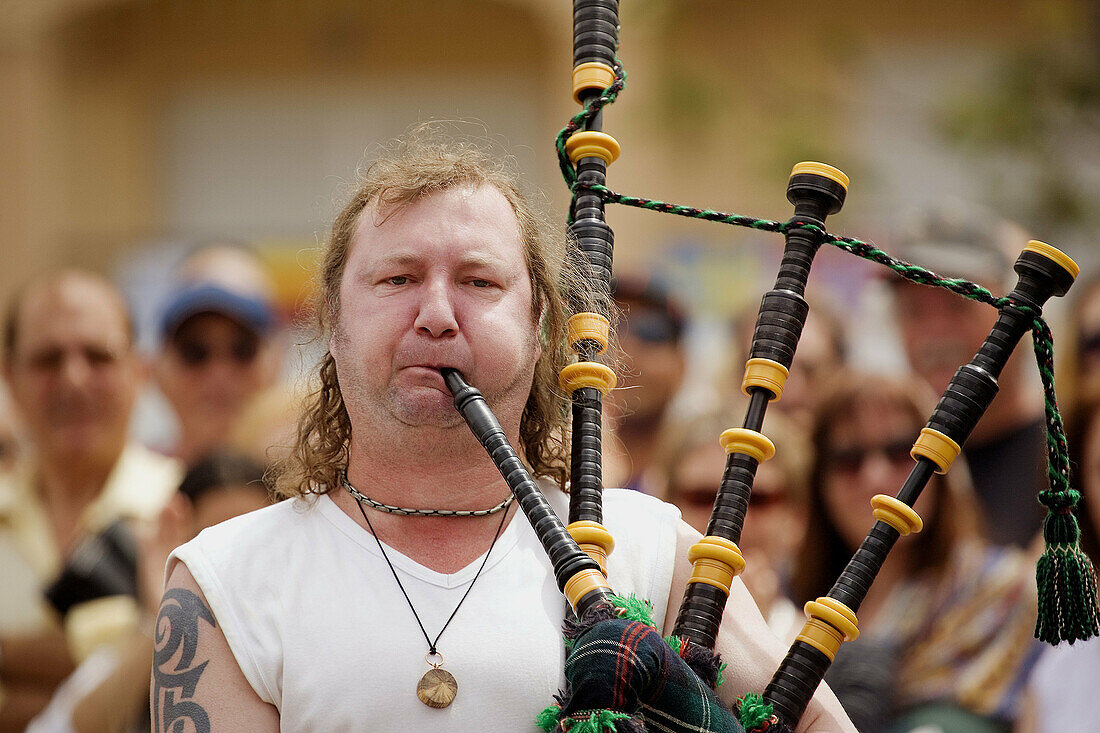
(128, 122)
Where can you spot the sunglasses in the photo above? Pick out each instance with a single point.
(195, 353)
(705, 498)
(850, 460)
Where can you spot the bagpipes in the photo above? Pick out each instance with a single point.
(670, 683)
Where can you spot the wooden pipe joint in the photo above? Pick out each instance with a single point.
(829, 623)
(594, 539)
(748, 442)
(587, 374)
(897, 514)
(936, 447)
(589, 327)
(591, 75)
(582, 584)
(715, 561)
(591, 144)
(765, 374)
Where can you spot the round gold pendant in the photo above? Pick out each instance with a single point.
(437, 688)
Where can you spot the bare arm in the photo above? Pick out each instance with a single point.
(749, 648)
(195, 676)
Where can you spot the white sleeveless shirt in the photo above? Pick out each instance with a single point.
(317, 624)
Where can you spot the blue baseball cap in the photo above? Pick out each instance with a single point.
(252, 311)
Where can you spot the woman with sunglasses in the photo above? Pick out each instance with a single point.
(776, 518)
(946, 630)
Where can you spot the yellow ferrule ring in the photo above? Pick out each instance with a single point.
(936, 447)
(587, 374)
(594, 539)
(751, 443)
(589, 327)
(591, 144)
(896, 513)
(1053, 253)
(821, 636)
(771, 375)
(715, 561)
(830, 623)
(821, 169)
(582, 584)
(591, 75)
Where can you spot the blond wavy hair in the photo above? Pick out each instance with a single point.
(424, 162)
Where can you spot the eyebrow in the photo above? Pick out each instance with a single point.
(472, 259)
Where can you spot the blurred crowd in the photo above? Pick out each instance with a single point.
(88, 514)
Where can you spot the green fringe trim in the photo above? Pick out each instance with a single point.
(752, 711)
(1066, 583)
(721, 675)
(598, 721)
(548, 718)
(675, 642)
(635, 609)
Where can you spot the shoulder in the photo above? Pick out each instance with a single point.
(636, 505)
(196, 676)
(264, 531)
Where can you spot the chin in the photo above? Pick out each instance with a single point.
(427, 408)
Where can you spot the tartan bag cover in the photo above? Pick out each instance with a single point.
(625, 666)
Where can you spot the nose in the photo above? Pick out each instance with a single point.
(436, 314)
(876, 471)
(75, 371)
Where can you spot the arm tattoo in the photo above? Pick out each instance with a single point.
(177, 638)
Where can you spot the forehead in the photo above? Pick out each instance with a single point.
(872, 421)
(71, 311)
(464, 222)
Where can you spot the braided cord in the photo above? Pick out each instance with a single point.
(1065, 576)
(579, 122)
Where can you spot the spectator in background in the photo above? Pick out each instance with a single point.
(73, 375)
(650, 335)
(822, 348)
(1062, 692)
(219, 345)
(11, 445)
(109, 692)
(1079, 370)
(942, 331)
(776, 519)
(946, 630)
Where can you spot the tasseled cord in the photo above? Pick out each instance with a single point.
(1064, 574)
(756, 716)
(593, 721)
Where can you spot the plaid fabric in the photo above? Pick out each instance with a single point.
(626, 666)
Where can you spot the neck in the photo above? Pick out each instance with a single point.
(426, 469)
(72, 482)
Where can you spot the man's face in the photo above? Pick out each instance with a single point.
(441, 283)
(940, 330)
(73, 373)
(209, 370)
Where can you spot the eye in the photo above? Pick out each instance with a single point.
(398, 280)
(479, 283)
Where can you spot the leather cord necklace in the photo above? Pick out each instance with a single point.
(438, 687)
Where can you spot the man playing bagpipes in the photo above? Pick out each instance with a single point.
(396, 589)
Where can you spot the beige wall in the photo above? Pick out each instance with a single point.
(721, 98)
